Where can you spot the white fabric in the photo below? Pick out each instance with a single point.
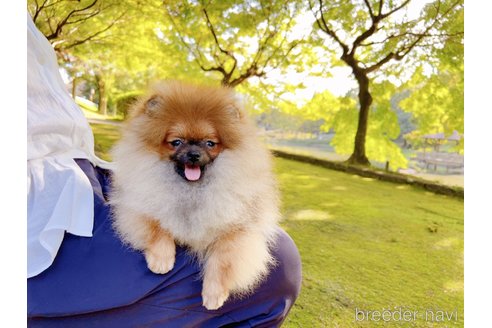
(59, 194)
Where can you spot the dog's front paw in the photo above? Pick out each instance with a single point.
(158, 263)
(213, 294)
(160, 256)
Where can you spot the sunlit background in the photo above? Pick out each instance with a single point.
(302, 67)
(302, 93)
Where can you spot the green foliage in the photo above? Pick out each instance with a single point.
(437, 102)
(128, 51)
(341, 115)
(345, 126)
(69, 24)
(125, 100)
(131, 43)
(324, 106)
(233, 40)
(384, 128)
(135, 54)
(437, 98)
(258, 96)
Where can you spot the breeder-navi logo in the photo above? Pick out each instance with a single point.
(404, 315)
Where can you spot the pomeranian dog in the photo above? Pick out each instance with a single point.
(189, 170)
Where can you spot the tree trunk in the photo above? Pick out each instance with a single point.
(103, 104)
(74, 87)
(365, 100)
(103, 96)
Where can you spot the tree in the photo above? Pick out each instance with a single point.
(340, 115)
(70, 25)
(236, 39)
(369, 35)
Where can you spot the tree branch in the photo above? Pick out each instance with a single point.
(94, 35)
(197, 55)
(391, 12)
(54, 3)
(226, 52)
(324, 26)
(252, 71)
(63, 22)
(380, 10)
(262, 43)
(83, 18)
(38, 10)
(368, 5)
(365, 35)
(375, 21)
(215, 68)
(405, 49)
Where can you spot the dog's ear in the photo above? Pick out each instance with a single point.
(153, 104)
(236, 108)
(234, 111)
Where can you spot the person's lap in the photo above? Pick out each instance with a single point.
(98, 282)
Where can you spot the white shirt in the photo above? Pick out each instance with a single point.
(59, 194)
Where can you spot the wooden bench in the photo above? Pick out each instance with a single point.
(436, 159)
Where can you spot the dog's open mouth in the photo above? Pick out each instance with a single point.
(190, 172)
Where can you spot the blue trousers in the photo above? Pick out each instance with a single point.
(98, 282)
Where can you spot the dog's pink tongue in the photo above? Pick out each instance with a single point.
(192, 172)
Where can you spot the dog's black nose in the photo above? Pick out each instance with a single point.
(194, 156)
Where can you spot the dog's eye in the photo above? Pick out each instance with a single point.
(210, 144)
(176, 143)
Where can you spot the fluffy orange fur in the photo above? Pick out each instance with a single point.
(227, 217)
(182, 119)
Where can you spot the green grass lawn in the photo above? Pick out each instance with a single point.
(370, 245)
(365, 244)
(105, 135)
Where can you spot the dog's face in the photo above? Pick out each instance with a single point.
(192, 148)
(189, 125)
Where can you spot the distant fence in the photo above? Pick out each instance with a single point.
(436, 159)
(375, 174)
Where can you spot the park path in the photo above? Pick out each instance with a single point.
(102, 121)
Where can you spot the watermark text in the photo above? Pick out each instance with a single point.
(405, 315)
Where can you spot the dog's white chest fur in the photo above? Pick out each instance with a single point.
(194, 212)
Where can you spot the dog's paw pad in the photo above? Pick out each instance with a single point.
(159, 264)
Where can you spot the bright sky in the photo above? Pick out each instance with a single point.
(339, 84)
